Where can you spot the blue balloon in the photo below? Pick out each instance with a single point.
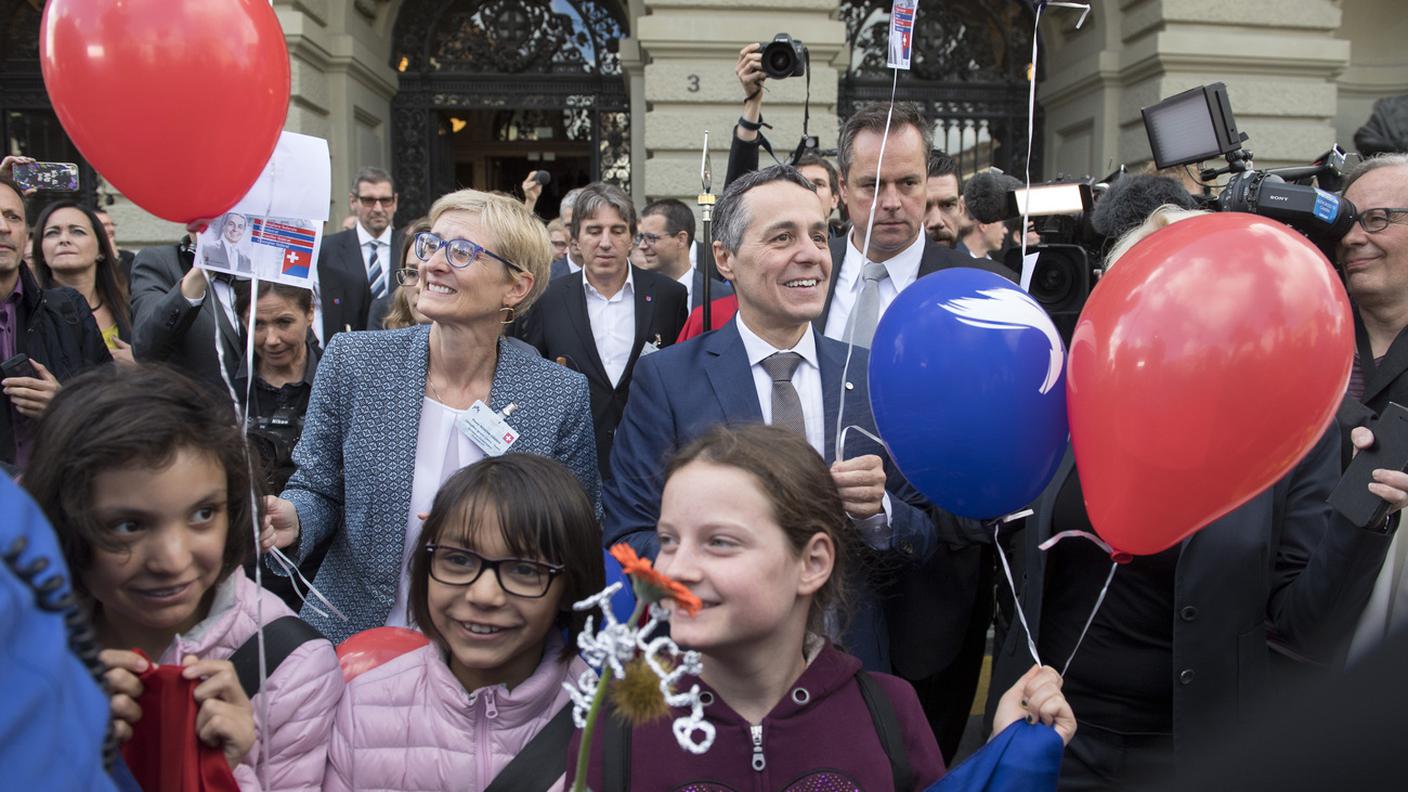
(968, 387)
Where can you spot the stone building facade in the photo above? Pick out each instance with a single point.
(478, 92)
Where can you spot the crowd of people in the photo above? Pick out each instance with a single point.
(481, 390)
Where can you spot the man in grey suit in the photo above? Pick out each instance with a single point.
(666, 237)
(222, 246)
(177, 312)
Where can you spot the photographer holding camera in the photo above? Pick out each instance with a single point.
(782, 57)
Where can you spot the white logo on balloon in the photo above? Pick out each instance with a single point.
(1008, 309)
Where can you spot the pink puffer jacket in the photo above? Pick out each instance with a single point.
(302, 692)
(410, 724)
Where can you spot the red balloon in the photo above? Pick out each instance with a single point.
(370, 648)
(1205, 365)
(177, 104)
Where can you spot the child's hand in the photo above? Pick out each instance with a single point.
(226, 718)
(125, 688)
(1036, 696)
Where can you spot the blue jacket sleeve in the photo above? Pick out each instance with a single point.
(316, 487)
(644, 437)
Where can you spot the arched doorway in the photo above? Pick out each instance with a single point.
(490, 90)
(968, 73)
(27, 122)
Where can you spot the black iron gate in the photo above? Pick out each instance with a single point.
(27, 122)
(505, 55)
(968, 73)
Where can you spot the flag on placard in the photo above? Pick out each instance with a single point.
(902, 15)
(296, 241)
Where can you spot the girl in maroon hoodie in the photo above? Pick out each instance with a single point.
(751, 522)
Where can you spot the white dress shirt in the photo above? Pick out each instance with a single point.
(806, 379)
(687, 281)
(572, 267)
(224, 295)
(383, 252)
(903, 269)
(441, 450)
(875, 530)
(613, 323)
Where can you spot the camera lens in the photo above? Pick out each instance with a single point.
(1053, 283)
(779, 61)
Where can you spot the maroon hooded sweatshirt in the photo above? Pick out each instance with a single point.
(820, 736)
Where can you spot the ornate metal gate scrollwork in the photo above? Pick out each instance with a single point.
(26, 115)
(553, 56)
(968, 73)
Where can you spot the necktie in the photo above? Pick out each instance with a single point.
(374, 274)
(866, 312)
(786, 404)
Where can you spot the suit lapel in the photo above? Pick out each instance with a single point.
(644, 295)
(577, 314)
(1395, 362)
(838, 257)
(726, 365)
(832, 358)
(930, 261)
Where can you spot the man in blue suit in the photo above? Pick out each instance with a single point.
(770, 365)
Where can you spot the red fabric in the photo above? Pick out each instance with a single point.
(724, 309)
(164, 753)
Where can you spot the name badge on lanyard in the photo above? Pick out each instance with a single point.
(487, 429)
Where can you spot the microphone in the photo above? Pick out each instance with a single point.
(985, 195)
(1131, 199)
(542, 177)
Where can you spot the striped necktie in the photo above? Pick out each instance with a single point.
(375, 277)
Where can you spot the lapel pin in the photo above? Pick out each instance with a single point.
(647, 298)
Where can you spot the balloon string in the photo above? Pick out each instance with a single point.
(261, 765)
(1109, 551)
(1012, 587)
(294, 576)
(841, 441)
(865, 257)
(1026, 276)
(1098, 602)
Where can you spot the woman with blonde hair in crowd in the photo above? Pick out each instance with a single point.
(402, 312)
(394, 414)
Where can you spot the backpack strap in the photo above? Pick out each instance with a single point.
(281, 638)
(615, 753)
(542, 761)
(887, 728)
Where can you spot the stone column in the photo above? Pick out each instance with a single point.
(1280, 63)
(343, 82)
(1378, 67)
(688, 49)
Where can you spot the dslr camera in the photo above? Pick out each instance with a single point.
(273, 437)
(783, 57)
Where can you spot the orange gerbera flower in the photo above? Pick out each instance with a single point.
(654, 585)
